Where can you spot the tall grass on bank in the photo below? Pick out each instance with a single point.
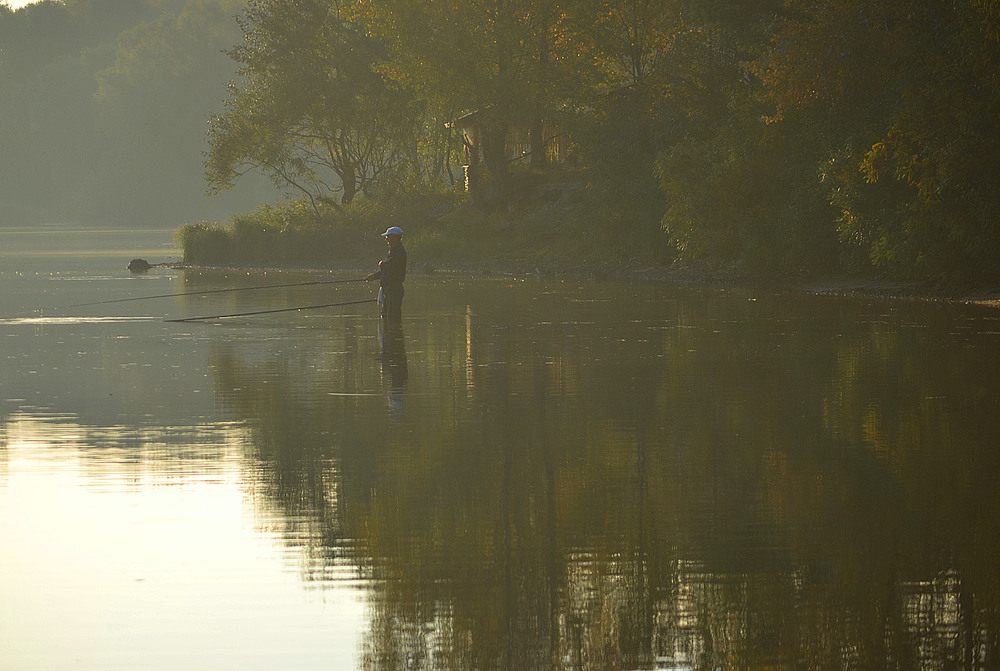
(437, 227)
(286, 234)
(552, 217)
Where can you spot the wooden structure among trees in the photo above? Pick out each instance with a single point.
(518, 142)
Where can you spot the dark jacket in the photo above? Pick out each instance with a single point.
(392, 270)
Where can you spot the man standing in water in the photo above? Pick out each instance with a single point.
(391, 273)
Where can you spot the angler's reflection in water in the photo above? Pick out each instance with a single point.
(394, 368)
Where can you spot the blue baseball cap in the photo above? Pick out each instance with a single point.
(395, 230)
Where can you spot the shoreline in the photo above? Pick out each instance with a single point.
(833, 284)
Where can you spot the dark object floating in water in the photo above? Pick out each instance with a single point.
(139, 265)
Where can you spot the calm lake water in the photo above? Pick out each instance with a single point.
(539, 474)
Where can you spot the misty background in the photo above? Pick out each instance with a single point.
(103, 111)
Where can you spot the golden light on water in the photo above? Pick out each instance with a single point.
(110, 557)
(17, 4)
(38, 321)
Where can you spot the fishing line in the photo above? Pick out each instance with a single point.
(267, 312)
(212, 291)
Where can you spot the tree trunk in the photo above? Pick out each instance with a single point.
(537, 139)
(350, 184)
(495, 158)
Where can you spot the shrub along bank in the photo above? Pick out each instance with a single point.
(557, 223)
(552, 221)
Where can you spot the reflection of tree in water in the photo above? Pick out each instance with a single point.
(294, 415)
(718, 497)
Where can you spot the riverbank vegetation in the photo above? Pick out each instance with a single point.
(770, 137)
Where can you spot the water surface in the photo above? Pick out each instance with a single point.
(535, 474)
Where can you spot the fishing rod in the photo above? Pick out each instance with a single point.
(215, 291)
(267, 312)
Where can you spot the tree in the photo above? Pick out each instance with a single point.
(490, 57)
(797, 79)
(668, 81)
(938, 153)
(907, 98)
(635, 37)
(313, 112)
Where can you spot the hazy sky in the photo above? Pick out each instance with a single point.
(14, 4)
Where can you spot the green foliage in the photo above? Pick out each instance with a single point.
(271, 236)
(907, 87)
(203, 243)
(749, 196)
(552, 218)
(293, 233)
(313, 112)
(492, 59)
(917, 193)
(476, 56)
(283, 235)
(625, 202)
